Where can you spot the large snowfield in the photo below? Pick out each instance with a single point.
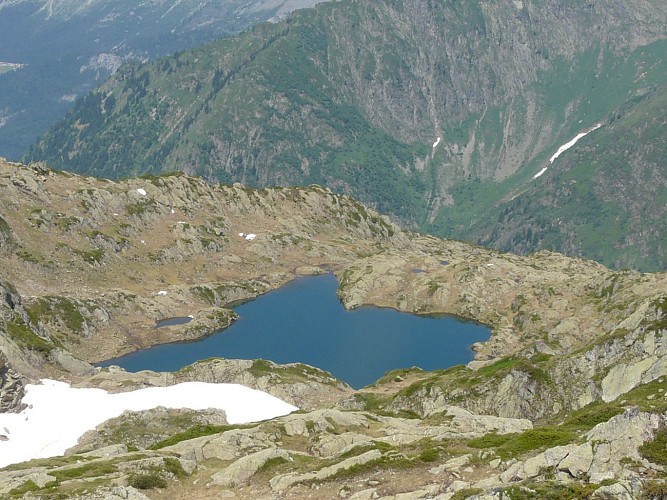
(57, 414)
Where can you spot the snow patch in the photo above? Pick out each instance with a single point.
(437, 141)
(141, 191)
(539, 173)
(162, 292)
(565, 147)
(572, 142)
(57, 414)
(250, 236)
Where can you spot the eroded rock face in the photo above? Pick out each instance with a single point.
(641, 358)
(608, 448)
(243, 469)
(298, 384)
(11, 388)
(145, 428)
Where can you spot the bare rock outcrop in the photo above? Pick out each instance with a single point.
(243, 469)
(11, 387)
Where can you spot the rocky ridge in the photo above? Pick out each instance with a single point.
(568, 397)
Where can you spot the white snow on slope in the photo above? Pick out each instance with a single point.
(539, 173)
(141, 191)
(571, 143)
(57, 414)
(436, 142)
(565, 147)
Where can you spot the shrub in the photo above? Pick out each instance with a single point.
(429, 455)
(173, 465)
(147, 481)
(29, 485)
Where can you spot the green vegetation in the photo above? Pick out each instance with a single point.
(567, 428)
(291, 372)
(141, 207)
(594, 204)
(28, 486)
(48, 462)
(31, 256)
(56, 308)
(93, 257)
(173, 466)
(467, 380)
(515, 445)
(429, 455)
(195, 432)
(550, 490)
(592, 414)
(466, 493)
(147, 481)
(21, 333)
(655, 451)
(654, 489)
(397, 375)
(371, 401)
(94, 469)
(391, 461)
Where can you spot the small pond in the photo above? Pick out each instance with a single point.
(305, 322)
(181, 320)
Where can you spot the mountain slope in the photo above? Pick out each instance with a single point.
(69, 47)
(566, 398)
(432, 112)
(604, 198)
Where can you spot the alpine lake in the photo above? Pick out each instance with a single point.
(304, 322)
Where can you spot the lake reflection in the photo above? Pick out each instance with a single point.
(304, 322)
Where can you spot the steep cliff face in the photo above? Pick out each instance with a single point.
(11, 387)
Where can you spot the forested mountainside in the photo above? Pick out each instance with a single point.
(567, 399)
(65, 48)
(434, 112)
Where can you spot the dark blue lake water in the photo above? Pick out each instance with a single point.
(304, 322)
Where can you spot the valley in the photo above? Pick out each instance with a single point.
(353, 96)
